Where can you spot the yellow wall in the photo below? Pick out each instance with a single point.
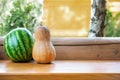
(68, 18)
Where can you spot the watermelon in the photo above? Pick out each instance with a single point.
(18, 45)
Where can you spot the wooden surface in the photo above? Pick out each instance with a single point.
(85, 41)
(1, 41)
(2, 54)
(82, 49)
(80, 41)
(91, 52)
(61, 70)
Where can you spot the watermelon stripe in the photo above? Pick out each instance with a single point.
(31, 41)
(15, 45)
(27, 41)
(10, 50)
(12, 47)
(6, 47)
(22, 47)
(31, 45)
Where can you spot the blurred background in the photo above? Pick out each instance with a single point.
(71, 18)
(65, 18)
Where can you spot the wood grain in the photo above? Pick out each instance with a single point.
(91, 52)
(83, 49)
(1, 41)
(62, 77)
(2, 54)
(85, 41)
(80, 41)
(61, 70)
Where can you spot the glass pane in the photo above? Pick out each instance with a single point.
(67, 18)
(71, 18)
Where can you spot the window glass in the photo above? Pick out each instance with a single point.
(65, 18)
(71, 18)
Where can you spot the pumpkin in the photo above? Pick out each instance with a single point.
(43, 49)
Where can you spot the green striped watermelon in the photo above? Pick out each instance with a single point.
(18, 45)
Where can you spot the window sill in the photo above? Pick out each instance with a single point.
(82, 48)
(61, 70)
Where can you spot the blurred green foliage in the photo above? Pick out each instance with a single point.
(22, 14)
(112, 24)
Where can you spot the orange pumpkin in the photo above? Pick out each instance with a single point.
(43, 49)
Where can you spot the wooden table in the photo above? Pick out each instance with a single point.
(61, 70)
